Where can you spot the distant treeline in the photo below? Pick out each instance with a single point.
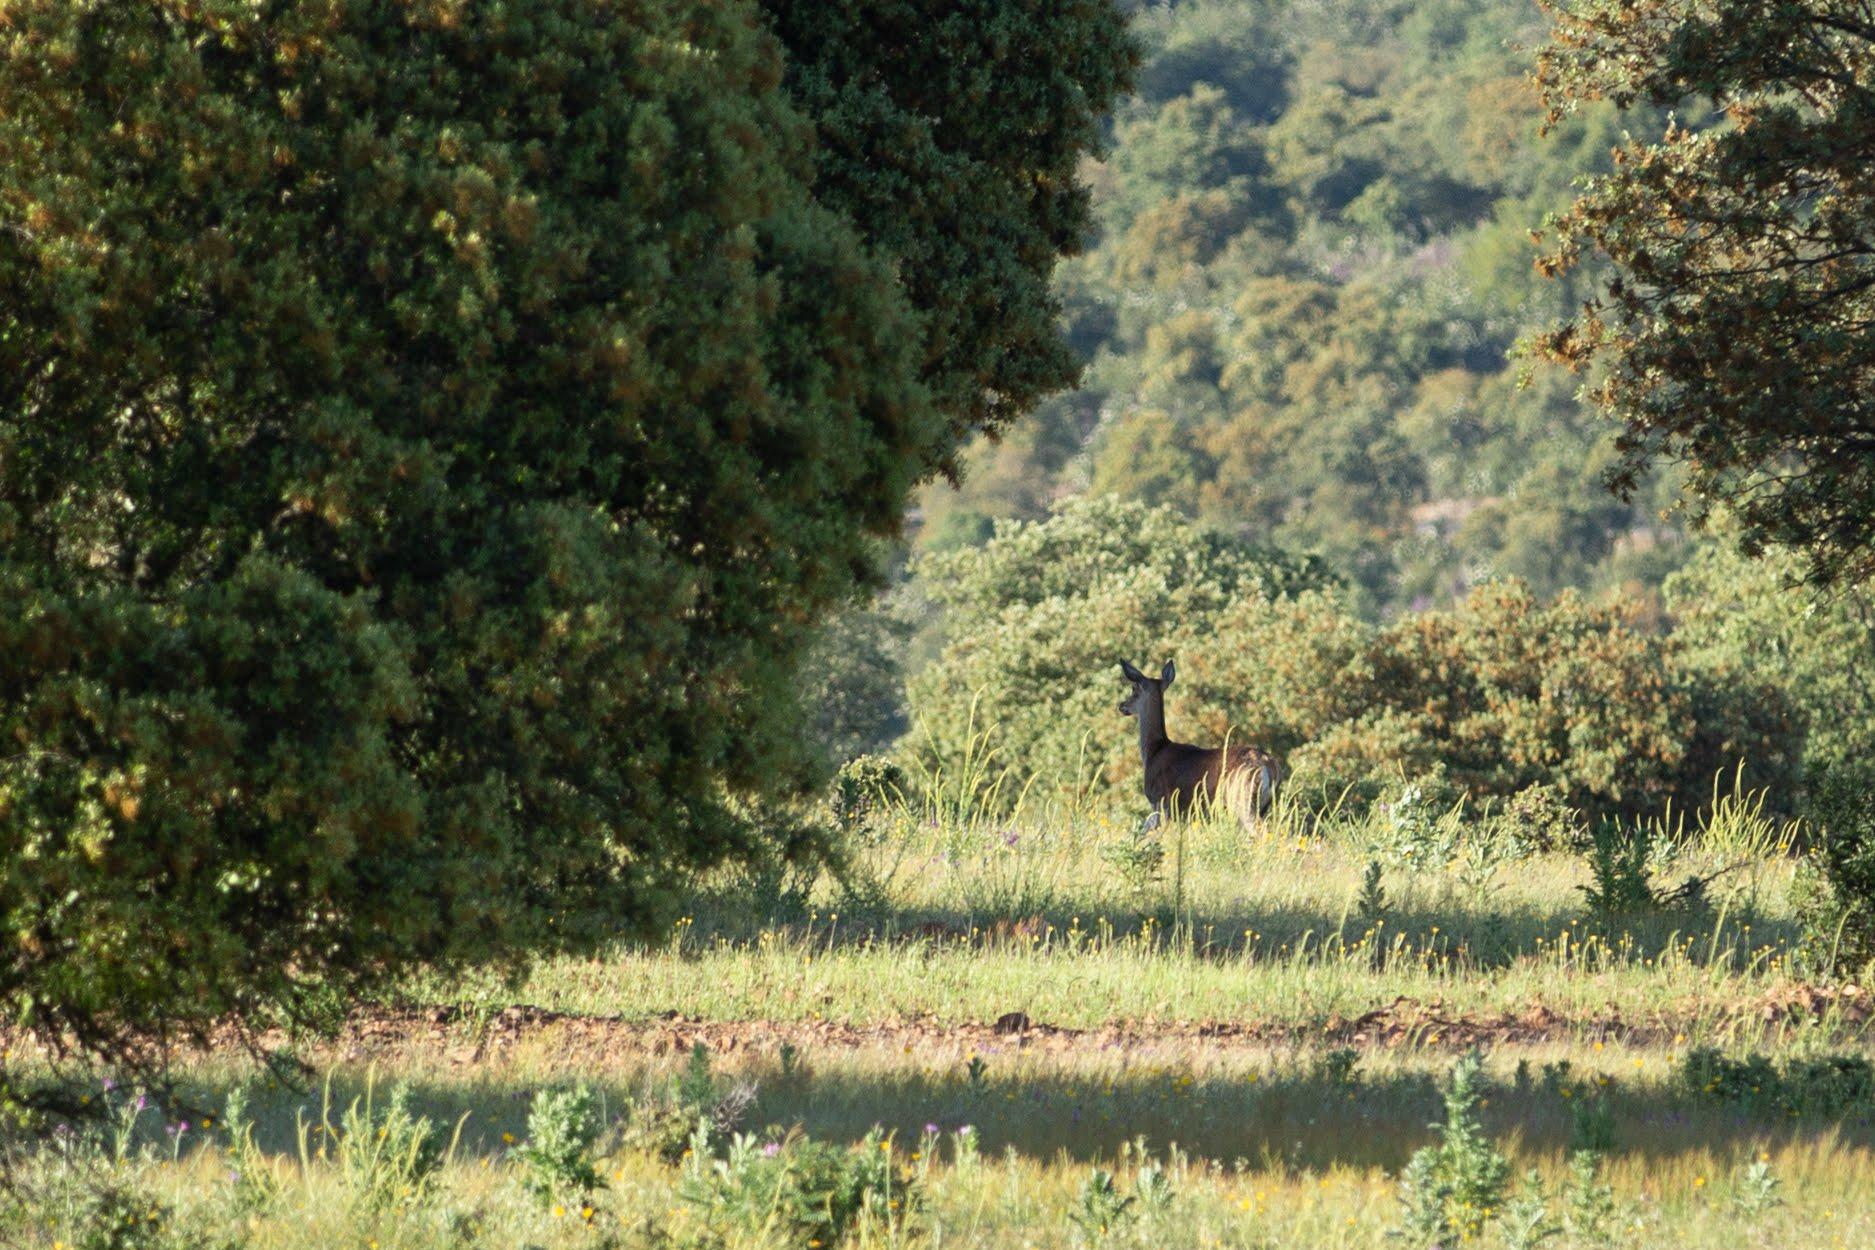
(1313, 263)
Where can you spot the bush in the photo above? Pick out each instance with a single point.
(1451, 1191)
(862, 790)
(1745, 621)
(97, 1210)
(1836, 886)
(432, 434)
(562, 1127)
(1504, 693)
(1040, 617)
(798, 1192)
(1539, 818)
(1498, 695)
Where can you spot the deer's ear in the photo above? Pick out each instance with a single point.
(1131, 673)
(1167, 673)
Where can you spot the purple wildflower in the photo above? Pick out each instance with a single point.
(771, 1149)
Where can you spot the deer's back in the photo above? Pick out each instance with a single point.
(1185, 775)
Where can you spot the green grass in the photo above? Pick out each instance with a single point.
(966, 921)
(1197, 1012)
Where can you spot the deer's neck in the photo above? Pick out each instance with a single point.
(1151, 728)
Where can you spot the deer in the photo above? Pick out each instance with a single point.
(1179, 776)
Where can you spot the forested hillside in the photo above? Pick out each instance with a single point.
(1313, 262)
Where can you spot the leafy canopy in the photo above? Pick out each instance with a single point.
(429, 433)
(1734, 334)
(1313, 261)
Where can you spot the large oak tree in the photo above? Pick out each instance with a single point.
(1737, 333)
(430, 432)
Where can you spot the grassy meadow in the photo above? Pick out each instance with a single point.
(1055, 1031)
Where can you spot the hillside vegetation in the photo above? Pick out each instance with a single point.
(1313, 262)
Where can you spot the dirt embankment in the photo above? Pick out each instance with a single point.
(1408, 1022)
(466, 1038)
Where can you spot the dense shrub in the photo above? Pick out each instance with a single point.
(563, 1127)
(430, 434)
(1745, 621)
(1504, 692)
(799, 1192)
(1835, 890)
(1497, 695)
(1040, 618)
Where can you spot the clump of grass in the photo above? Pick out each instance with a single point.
(1826, 1085)
(797, 1192)
(387, 1155)
(662, 1121)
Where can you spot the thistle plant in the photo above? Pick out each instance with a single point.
(562, 1128)
(1452, 1190)
(1103, 1210)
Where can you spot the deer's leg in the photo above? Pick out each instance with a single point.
(1155, 817)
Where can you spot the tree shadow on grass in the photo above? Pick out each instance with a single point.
(1300, 1115)
(1485, 936)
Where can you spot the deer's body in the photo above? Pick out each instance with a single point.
(1181, 777)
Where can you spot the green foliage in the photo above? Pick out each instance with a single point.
(101, 1212)
(1314, 259)
(950, 136)
(695, 1087)
(1336, 1066)
(1526, 1222)
(1620, 862)
(1539, 818)
(854, 682)
(1740, 348)
(864, 788)
(388, 1155)
(250, 1170)
(662, 1121)
(1420, 829)
(1837, 886)
(432, 434)
(1039, 617)
(799, 1192)
(1588, 1201)
(562, 1128)
(1827, 1085)
(1755, 1191)
(1137, 858)
(1498, 695)
(1371, 906)
(1452, 1190)
(1746, 622)
(1102, 1211)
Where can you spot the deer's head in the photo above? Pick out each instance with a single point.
(1150, 688)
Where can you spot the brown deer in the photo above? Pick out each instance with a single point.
(1179, 776)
